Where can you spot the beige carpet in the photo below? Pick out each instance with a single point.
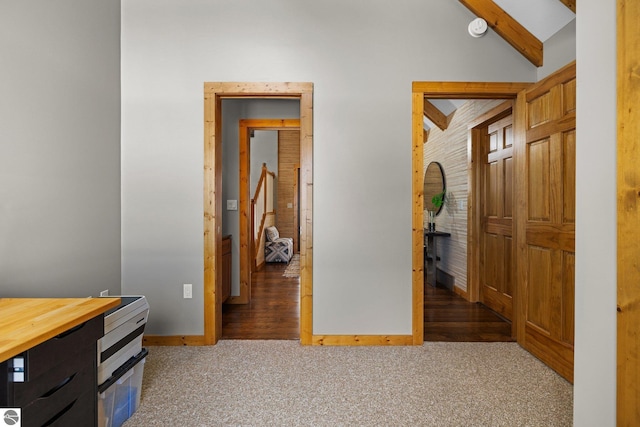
(281, 383)
(293, 268)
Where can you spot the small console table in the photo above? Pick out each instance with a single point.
(430, 254)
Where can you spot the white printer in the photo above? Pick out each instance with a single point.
(123, 330)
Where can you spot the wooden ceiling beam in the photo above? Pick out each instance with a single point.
(571, 4)
(508, 28)
(435, 115)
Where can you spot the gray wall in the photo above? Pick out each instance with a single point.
(559, 50)
(362, 58)
(264, 149)
(595, 318)
(59, 148)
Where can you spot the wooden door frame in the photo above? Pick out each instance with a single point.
(214, 93)
(628, 214)
(246, 126)
(443, 90)
(296, 204)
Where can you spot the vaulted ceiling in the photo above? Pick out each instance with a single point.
(524, 24)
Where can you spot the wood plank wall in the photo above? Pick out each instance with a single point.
(450, 149)
(288, 159)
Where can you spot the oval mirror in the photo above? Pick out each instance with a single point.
(434, 185)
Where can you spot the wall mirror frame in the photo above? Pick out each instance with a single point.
(433, 185)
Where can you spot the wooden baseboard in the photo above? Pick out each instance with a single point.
(460, 292)
(336, 340)
(236, 300)
(355, 340)
(445, 279)
(173, 340)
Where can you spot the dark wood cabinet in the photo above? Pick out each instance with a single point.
(226, 268)
(60, 381)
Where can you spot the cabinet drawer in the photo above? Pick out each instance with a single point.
(62, 382)
(80, 411)
(63, 347)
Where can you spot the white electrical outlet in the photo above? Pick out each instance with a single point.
(104, 293)
(187, 290)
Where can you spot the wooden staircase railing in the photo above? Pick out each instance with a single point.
(262, 214)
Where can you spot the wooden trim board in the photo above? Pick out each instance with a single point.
(628, 214)
(356, 340)
(173, 340)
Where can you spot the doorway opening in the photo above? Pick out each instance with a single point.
(422, 92)
(541, 157)
(214, 93)
(248, 243)
(479, 135)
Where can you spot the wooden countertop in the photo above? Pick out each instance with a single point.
(27, 322)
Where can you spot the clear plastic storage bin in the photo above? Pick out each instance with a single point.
(119, 396)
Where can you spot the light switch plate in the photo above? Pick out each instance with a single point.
(232, 205)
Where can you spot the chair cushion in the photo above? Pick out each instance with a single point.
(281, 250)
(272, 234)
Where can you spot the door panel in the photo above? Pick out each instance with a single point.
(568, 288)
(545, 216)
(538, 297)
(538, 180)
(569, 179)
(496, 290)
(507, 193)
(508, 265)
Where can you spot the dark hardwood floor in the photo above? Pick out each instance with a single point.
(273, 313)
(449, 317)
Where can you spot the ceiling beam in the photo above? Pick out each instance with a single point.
(435, 115)
(508, 28)
(571, 4)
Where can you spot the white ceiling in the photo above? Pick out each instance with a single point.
(543, 18)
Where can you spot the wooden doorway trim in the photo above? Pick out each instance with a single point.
(628, 234)
(296, 206)
(246, 126)
(439, 90)
(213, 95)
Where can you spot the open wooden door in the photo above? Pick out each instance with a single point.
(545, 149)
(496, 199)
